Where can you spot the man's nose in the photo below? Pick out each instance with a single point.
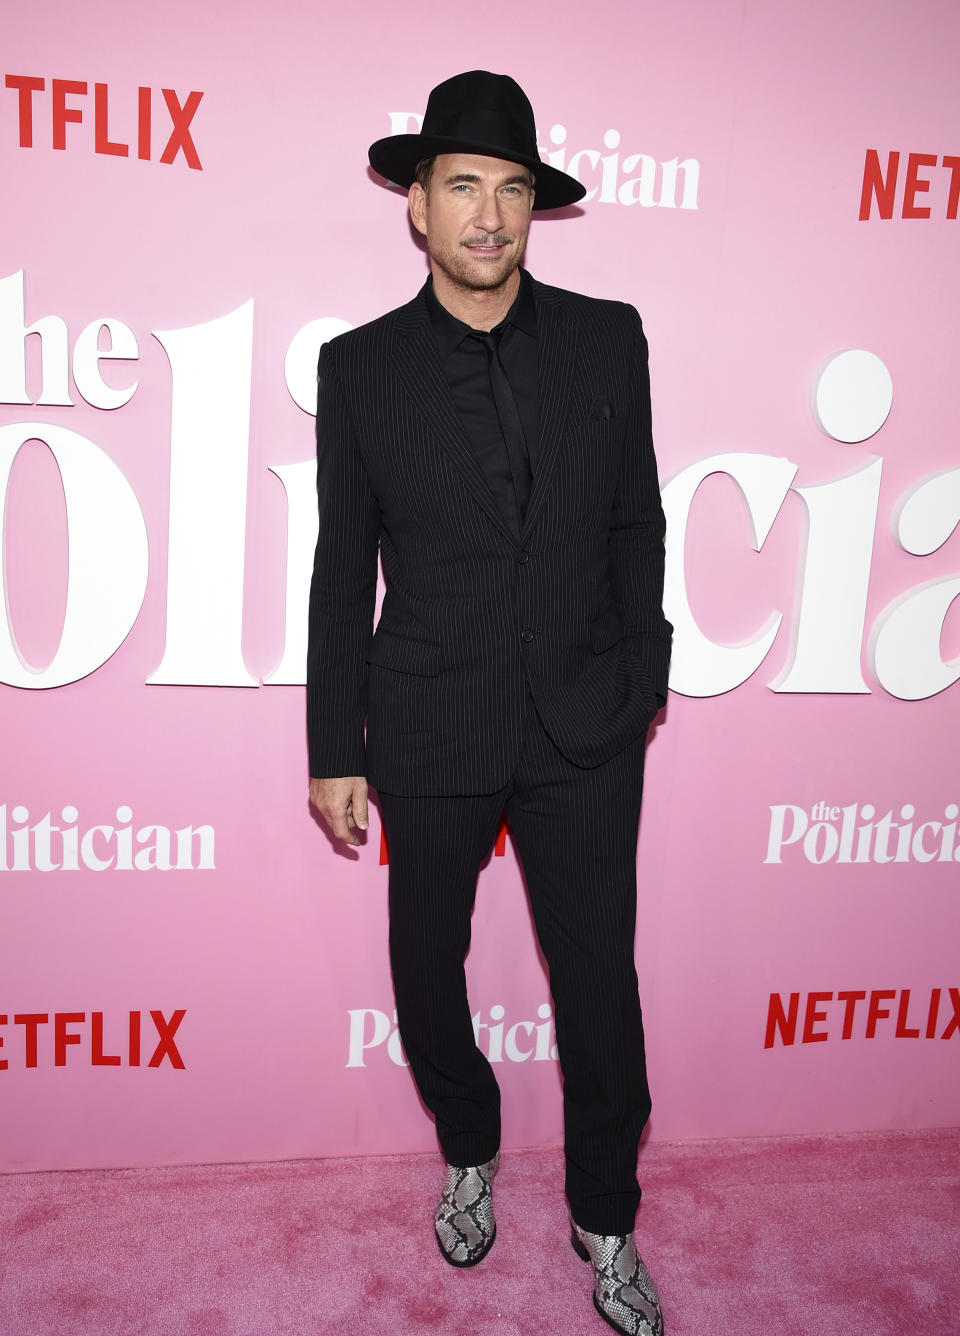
(489, 215)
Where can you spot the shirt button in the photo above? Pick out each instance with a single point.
(523, 558)
(527, 635)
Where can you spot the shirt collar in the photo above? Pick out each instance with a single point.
(449, 331)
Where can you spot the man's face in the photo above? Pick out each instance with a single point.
(475, 216)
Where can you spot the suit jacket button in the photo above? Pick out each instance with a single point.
(523, 558)
(527, 635)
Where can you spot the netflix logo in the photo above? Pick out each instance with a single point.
(68, 100)
(882, 186)
(124, 1041)
(898, 1013)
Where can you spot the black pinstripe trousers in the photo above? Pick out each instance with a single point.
(576, 834)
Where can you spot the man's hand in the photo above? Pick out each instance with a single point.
(343, 805)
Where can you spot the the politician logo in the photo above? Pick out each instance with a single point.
(861, 833)
(612, 174)
(43, 844)
(209, 450)
(373, 1033)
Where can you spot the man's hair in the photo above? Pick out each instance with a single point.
(424, 172)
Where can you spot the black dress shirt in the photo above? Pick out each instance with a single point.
(465, 368)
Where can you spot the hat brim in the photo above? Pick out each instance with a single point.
(396, 158)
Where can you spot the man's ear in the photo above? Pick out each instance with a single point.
(417, 202)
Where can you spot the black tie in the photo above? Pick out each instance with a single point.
(510, 425)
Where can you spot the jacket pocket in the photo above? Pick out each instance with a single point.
(423, 658)
(606, 631)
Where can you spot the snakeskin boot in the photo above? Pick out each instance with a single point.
(625, 1295)
(465, 1226)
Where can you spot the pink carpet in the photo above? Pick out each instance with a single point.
(835, 1236)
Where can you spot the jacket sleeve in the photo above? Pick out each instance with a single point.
(637, 534)
(343, 588)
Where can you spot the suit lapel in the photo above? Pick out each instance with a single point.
(557, 348)
(414, 355)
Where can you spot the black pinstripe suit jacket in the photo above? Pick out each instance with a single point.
(474, 615)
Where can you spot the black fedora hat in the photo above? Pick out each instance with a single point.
(483, 113)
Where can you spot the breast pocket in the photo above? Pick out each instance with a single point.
(602, 409)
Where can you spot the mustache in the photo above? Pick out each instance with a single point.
(490, 239)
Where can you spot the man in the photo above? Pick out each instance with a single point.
(492, 440)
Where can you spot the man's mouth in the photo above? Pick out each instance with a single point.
(487, 245)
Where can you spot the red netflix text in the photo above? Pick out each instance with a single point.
(37, 1040)
(67, 104)
(880, 185)
(898, 1013)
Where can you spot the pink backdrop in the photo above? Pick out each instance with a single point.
(797, 945)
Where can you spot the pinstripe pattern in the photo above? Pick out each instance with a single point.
(502, 672)
(576, 833)
(442, 683)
